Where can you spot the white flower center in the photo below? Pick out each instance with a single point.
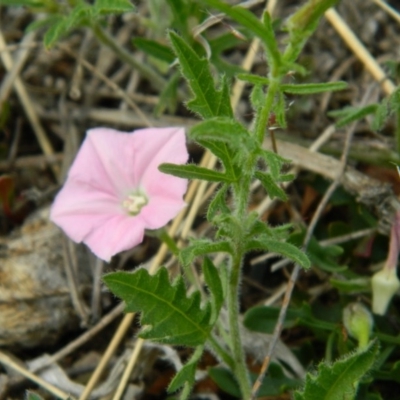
(134, 203)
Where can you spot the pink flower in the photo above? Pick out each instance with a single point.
(114, 190)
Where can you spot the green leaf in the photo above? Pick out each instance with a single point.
(28, 3)
(382, 113)
(263, 319)
(225, 130)
(207, 102)
(247, 19)
(213, 281)
(270, 185)
(254, 79)
(58, 29)
(274, 162)
(113, 6)
(155, 49)
(351, 114)
(186, 376)
(312, 88)
(274, 384)
(194, 172)
(77, 16)
(32, 395)
(171, 317)
(340, 380)
(285, 249)
(218, 204)
(201, 247)
(280, 111)
(222, 152)
(168, 97)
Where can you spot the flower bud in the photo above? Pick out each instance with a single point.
(384, 285)
(358, 322)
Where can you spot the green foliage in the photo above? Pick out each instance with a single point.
(312, 88)
(340, 380)
(155, 49)
(263, 242)
(195, 172)
(274, 384)
(171, 317)
(208, 102)
(213, 281)
(200, 247)
(270, 185)
(186, 376)
(263, 30)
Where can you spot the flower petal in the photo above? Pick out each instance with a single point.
(96, 218)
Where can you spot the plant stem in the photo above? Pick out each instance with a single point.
(264, 113)
(220, 351)
(155, 79)
(239, 368)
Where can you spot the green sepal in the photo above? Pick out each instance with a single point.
(339, 380)
(312, 88)
(270, 185)
(201, 247)
(194, 172)
(285, 249)
(207, 102)
(171, 317)
(155, 49)
(218, 204)
(213, 281)
(186, 376)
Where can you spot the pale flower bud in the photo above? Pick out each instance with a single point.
(384, 286)
(358, 322)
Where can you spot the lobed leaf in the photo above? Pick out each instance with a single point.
(207, 102)
(340, 380)
(171, 317)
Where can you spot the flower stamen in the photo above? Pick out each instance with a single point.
(134, 203)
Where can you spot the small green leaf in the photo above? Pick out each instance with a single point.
(218, 204)
(58, 29)
(285, 249)
(113, 6)
(171, 317)
(31, 395)
(187, 375)
(280, 111)
(312, 88)
(340, 380)
(257, 97)
(201, 247)
(207, 102)
(270, 185)
(247, 19)
(168, 97)
(194, 172)
(382, 113)
(351, 114)
(274, 162)
(213, 281)
(155, 49)
(254, 79)
(77, 16)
